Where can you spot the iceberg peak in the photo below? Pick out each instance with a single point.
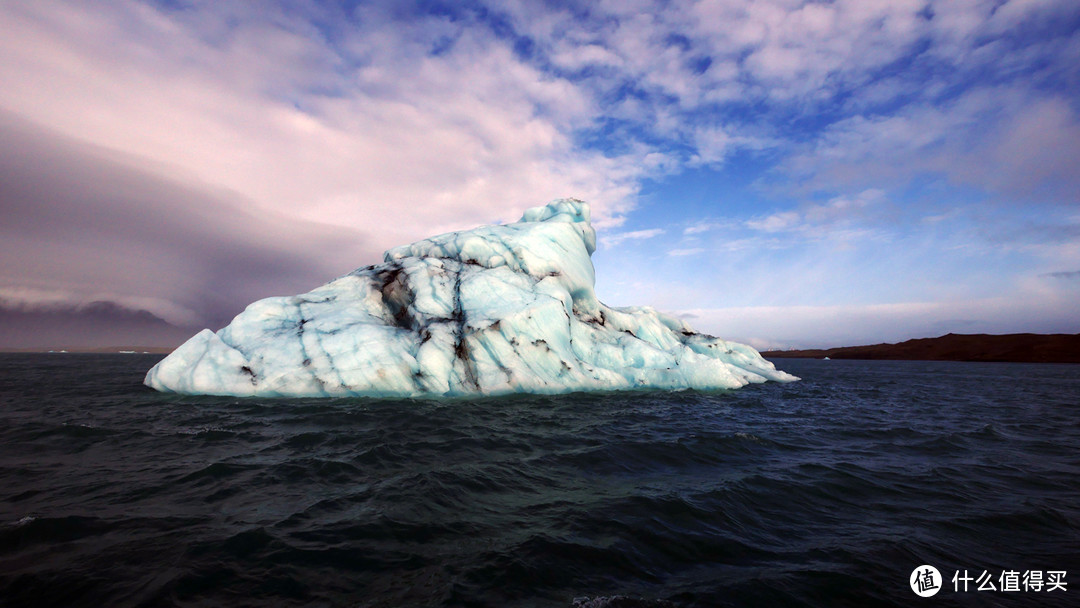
(493, 310)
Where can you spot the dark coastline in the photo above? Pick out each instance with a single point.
(1013, 348)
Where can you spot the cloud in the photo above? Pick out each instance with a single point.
(612, 240)
(707, 225)
(776, 222)
(1008, 141)
(685, 252)
(798, 50)
(350, 130)
(195, 160)
(841, 219)
(30, 300)
(81, 224)
(917, 68)
(714, 145)
(1068, 275)
(306, 111)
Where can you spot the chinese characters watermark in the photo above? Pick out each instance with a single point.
(1013, 581)
(926, 581)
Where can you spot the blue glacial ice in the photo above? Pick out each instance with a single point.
(493, 310)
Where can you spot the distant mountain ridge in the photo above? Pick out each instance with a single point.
(85, 327)
(1017, 348)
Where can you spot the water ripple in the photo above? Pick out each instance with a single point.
(824, 492)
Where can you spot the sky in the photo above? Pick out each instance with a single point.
(786, 173)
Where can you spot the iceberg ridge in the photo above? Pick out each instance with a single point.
(494, 310)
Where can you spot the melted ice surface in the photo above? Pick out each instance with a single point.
(493, 310)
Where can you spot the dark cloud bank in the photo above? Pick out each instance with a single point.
(89, 326)
(84, 222)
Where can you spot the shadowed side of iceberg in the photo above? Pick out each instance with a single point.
(493, 310)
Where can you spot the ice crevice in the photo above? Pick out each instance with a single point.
(493, 310)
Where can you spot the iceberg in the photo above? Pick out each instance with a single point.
(494, 310)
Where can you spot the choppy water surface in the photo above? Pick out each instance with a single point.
(824, 492)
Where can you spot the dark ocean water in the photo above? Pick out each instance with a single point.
(824, 492)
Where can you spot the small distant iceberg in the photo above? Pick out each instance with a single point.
(489, 311)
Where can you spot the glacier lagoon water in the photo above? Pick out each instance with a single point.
(824, 492)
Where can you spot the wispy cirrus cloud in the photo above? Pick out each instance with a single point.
(678, 253)
(842, 214)
(613, 239)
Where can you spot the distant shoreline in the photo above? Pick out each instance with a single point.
(1011, 348)
(104, 350)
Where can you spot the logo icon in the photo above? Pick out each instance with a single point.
(925, 580)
